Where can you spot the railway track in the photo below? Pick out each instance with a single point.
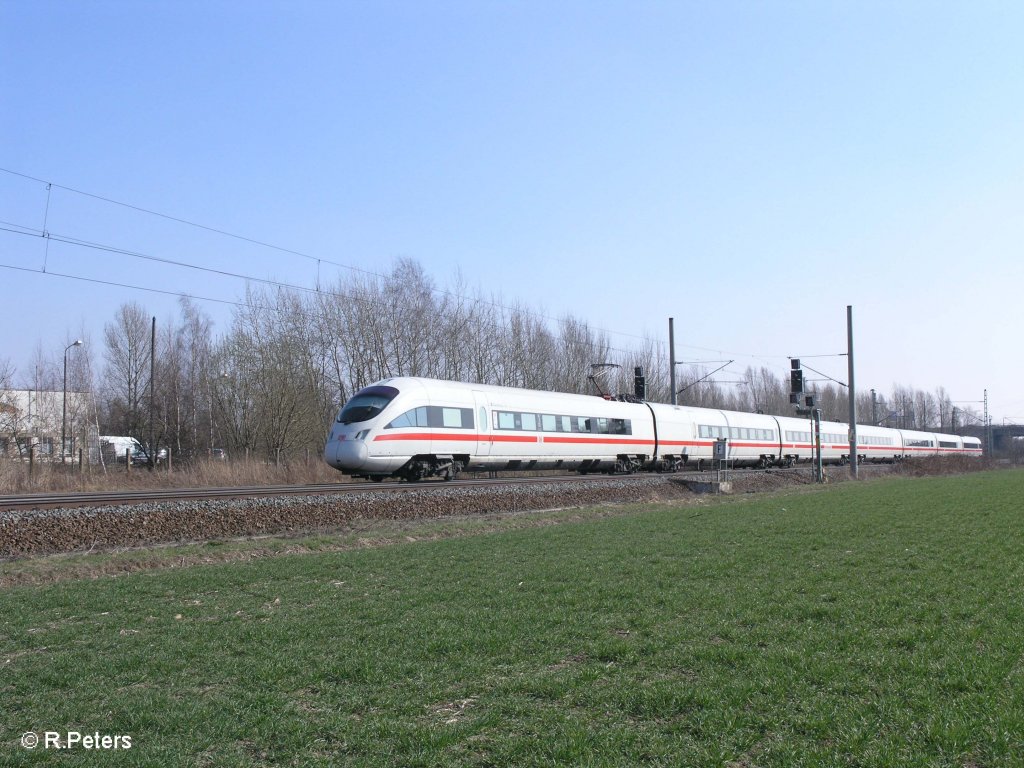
(43, 501)
(48, 523)
(51, 523)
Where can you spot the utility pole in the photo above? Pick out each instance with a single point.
(819, 465)
(988, 428)
(672, 359)
(152, 391)
(853, 392)
(874, 408)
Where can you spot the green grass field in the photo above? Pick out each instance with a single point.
(867, 624)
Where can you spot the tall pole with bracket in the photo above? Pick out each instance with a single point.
(852, 390)
(672, 359)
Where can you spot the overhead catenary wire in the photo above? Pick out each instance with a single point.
(265, 281)
(271, 246)
(68, 239)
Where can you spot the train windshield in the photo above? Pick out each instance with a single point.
(366, 403)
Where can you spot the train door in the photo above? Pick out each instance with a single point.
(482, 417)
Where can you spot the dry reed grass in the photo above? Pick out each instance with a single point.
(18, 477)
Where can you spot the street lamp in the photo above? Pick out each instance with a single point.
(64, 415)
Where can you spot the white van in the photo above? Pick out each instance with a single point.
(114, 448)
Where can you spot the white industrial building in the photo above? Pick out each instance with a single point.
(31, 418)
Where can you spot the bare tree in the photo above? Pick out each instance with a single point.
(767, 393)
(9, 416)
(945, 409)
(926, 410)
(126, 379)
(527, 351)
(195, 340)
(578, 347)
(482, 349)
(649, 357)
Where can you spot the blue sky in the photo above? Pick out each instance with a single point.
(749, 168)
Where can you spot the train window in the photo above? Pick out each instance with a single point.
(529, 421)
(417, 417)
(549, 423)
(403, 421)
(947, 444)
(434, 416)
(564, 424)
(453, 418)
(504, 420)
(621, 427)
(366, 404)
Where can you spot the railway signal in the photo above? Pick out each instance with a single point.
(796, 378)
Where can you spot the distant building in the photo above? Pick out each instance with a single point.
(33, 418)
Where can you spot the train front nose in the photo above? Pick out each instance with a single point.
(349, 454)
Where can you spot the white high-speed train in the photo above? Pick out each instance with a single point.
(414, 428)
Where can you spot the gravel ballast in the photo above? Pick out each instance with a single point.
(77, 529)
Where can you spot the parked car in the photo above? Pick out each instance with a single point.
(141, 458)
(219, 454)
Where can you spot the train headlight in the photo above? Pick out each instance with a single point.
(361, 435)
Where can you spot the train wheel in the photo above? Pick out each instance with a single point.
(415, 471)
